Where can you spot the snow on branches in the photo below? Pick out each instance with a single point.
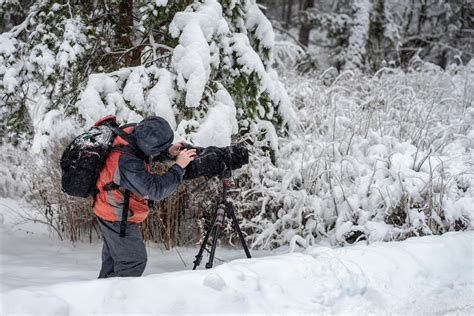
(196, 58)
(379, 158)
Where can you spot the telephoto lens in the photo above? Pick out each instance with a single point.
(212, 161)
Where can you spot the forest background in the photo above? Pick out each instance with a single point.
(358, 114)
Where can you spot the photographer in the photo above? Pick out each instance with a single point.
(125, 184)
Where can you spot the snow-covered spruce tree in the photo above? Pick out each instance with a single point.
(384, 37)
(356, 50)
(374, 37)
(357, 34)
(192, 54)
(45, 59)
(203, 65)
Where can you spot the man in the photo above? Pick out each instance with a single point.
(125, 170)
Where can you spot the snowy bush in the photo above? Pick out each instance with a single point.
(379, 158)
(13, 172)
(69, 217)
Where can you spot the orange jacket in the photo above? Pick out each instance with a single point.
(109, 203)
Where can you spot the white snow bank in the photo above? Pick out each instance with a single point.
(427, 275)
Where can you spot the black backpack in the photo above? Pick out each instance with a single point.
(84, 157)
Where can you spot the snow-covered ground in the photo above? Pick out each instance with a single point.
(41, 275)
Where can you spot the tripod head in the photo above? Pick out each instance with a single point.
(226, 176)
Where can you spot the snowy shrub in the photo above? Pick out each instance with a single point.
(13, 173)
(287, 55)
(379, 158)
(69, 217)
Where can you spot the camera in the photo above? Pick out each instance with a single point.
(215, 161)
(187, 146)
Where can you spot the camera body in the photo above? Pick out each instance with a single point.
(187, 146)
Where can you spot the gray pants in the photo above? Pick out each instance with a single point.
(122, 256)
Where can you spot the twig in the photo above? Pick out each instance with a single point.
(184, 263)
(305, 48)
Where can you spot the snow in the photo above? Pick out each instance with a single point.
(72, 45)
(55, 7)
(378, 158)
(49, 124)
(219, 124)
(206, 43)
(44, 58)
(48, 61)
(427, 275)
(12, 178)
(270, 133)
(133, 90)
(249, 61)
(104, 96)
(459, 208)
(192, 57)
(386, 156)
(9, 79)
(161, 97)
(161, 3)
(258, 22)
(8, 43)
(358, 38)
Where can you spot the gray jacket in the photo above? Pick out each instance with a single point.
(153, 136)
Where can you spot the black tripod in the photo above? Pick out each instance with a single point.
(217, 224)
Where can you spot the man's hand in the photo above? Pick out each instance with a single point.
(175, 148)
(185, 156)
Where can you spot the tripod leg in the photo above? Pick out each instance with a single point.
(197, 262)
(219, 224)
(213, 247)
(231, 213)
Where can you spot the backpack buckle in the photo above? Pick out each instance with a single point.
(110, 186)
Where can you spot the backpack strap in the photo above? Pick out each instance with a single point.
(128, 125)
(130, 140)
(111, 186)
(126, 149)
(123, 222)
(126, 205)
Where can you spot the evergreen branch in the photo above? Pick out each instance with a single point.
(16, 30)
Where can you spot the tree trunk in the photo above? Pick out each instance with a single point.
(305, 29)
(289, 13)
(283, 10)
(124, 32)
